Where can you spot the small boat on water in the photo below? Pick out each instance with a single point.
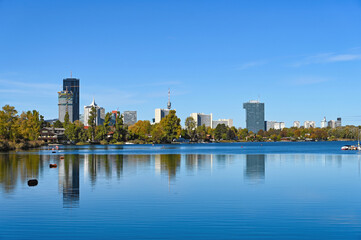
(350, 147)
(353, 147)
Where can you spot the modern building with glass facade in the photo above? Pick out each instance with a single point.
(129, 117)
(65, 104)
(203, 119)
(254, 116)
(227, 122)
(72, 85)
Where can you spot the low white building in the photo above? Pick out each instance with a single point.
(324, 123)
(296, 124)
(274, 125)
(309, 124)
(227, 122)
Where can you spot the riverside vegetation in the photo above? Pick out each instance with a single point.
(22, 131)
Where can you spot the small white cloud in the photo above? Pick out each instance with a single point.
(251, 65)
(307, 81)
(344, 57)
(327, 58)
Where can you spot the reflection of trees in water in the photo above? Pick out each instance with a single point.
(255, 167)
(119, 165)
(102, 165)
(169, 163)
(69, 180)
(14, 167)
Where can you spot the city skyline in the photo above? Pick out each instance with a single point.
(213, 57)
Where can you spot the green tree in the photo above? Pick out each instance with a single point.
(92, 122)
(120, 131)
(220, 132)
(66, 119)
(57, 124)
(29, 125)
(140, 129)
(9, 130)
(190, 127)
(75, 132)
(171, 126)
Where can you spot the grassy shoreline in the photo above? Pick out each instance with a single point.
(6, 146)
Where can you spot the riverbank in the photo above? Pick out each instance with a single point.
(25, 145)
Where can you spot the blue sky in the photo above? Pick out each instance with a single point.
(302, 58)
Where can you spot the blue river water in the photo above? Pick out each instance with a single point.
(306, 190)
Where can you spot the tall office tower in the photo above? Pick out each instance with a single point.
(203, 119)
(100, 114)
(129, 117)
(65, 104)
(338, 122)
(254, 116)
(296, 124)
(324, 123)
(227, 122)
(72, 85)
(309, 124)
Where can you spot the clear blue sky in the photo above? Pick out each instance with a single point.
(302, 58)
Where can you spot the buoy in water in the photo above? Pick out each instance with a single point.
(32, 182)
(53, 165)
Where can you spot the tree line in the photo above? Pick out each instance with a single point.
(22, 130)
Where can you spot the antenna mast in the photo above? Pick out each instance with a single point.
(169, 105)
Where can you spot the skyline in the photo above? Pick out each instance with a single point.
(301, 59)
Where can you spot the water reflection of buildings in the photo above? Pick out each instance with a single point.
(195, 162)
(69, 180)
(167, 164)
(255, 167)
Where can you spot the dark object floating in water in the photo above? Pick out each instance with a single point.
(32, 182)
(62, 158)
(53, 165)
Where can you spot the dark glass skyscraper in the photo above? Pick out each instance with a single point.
(72, 84)
(254, 116)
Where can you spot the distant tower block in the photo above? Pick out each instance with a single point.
(169, 105)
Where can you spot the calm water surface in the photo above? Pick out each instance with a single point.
(200, 191)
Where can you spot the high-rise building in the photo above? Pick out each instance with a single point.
(332, 124)
(296, 124)
(338, 122)
(72, 85)
(160, 114)
(309, 124)
(129, 117)
(65, 104)
(254, 116)
(100, 114)
(227, 122)
(324, 123)
(203, 119)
